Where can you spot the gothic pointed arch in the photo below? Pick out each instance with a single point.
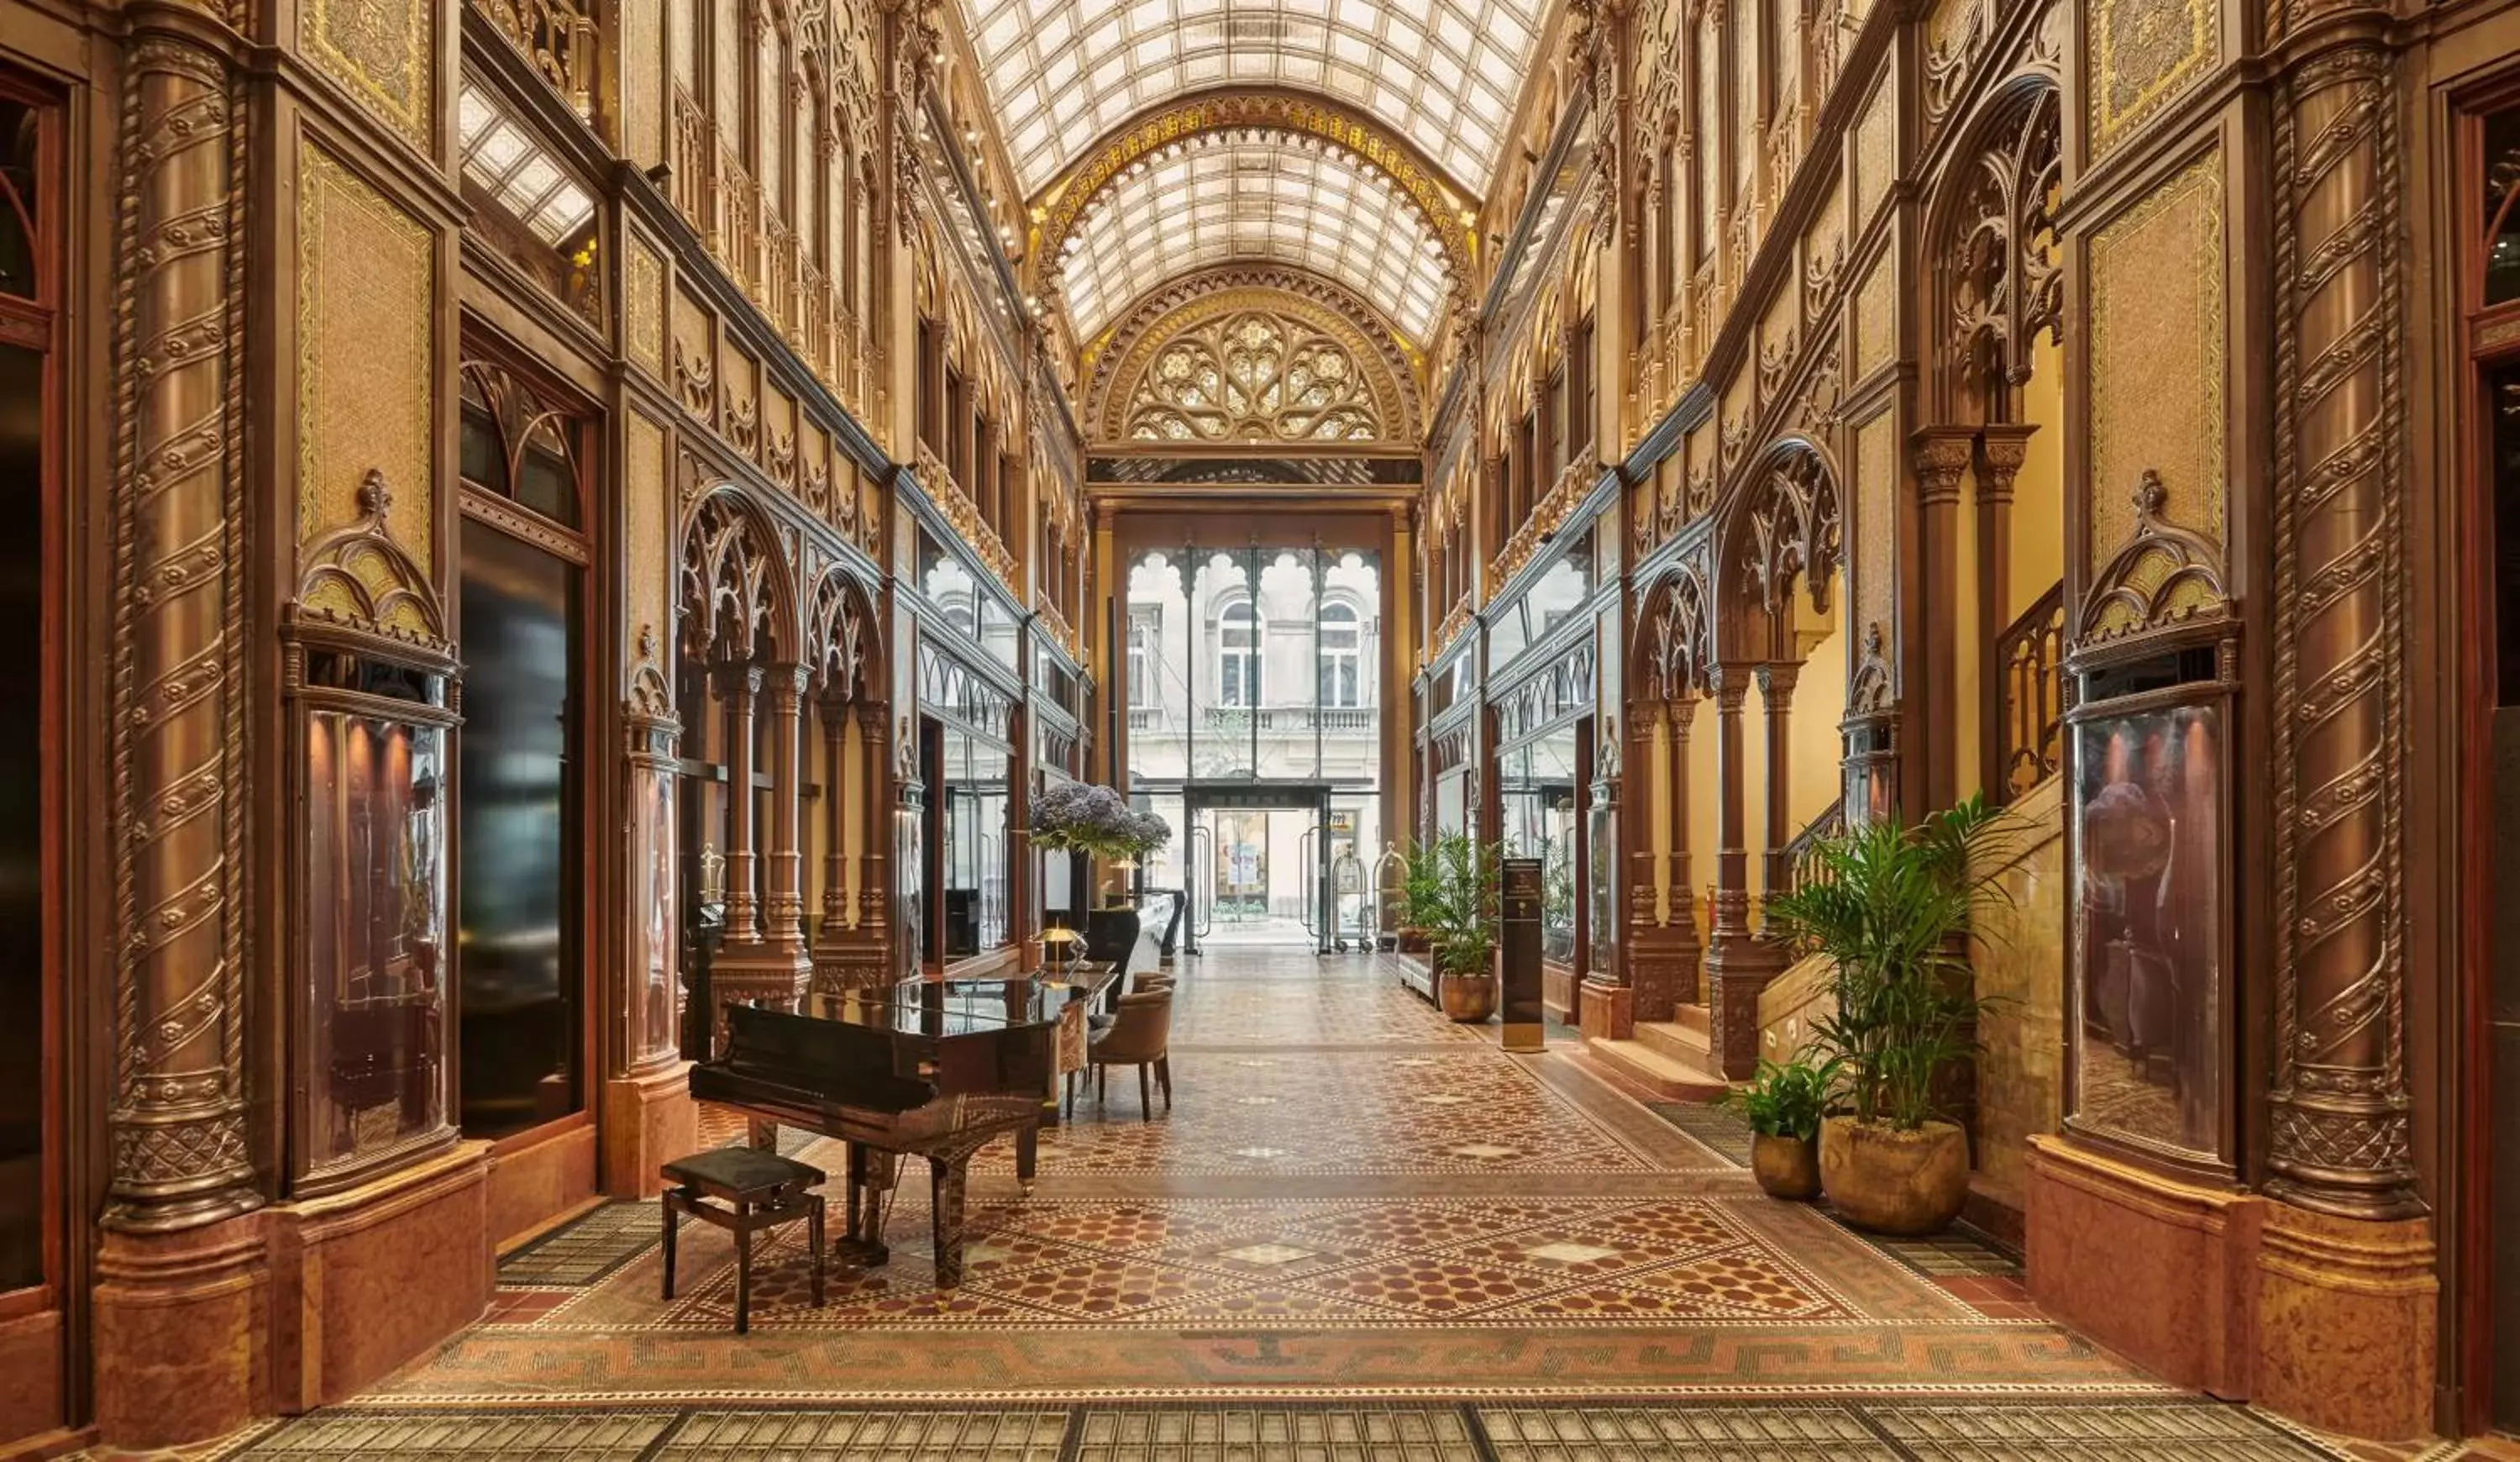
(1782, 532)
(732, 591)
(1672, 651)
(1998, 280)
(844, 640)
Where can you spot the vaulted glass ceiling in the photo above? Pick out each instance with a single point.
(1442, 74)
(1217, 200)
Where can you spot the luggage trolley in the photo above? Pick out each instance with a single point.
(1388, 905)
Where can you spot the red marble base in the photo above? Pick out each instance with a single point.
(364, 1280)
(648, 1120)
(30, 1357)
(537, 1176)
(2329, 1321)
(1607, 1010)
(181, 1332)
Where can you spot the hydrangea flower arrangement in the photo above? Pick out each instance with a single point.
(1096, 821)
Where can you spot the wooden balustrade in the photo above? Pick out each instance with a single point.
(2029, 657)
(559, 38)
(1798, 860)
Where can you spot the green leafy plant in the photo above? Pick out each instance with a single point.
(1787, 1099)
(1452, 891)
(1895, 910)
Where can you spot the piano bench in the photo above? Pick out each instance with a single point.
(762, 1190)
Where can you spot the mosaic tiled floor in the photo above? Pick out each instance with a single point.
(1727, 1432)
(1352, 1200)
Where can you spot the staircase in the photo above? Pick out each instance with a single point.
(1667, 1058)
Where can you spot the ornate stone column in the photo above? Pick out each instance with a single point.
(2347, 1323)
(1689, 949)
(1776, 693)
(782, 894)
(648, 1114)
(1737, 965)
(737, 686)
(2001, 450)
(1941, 454)
(838, 798)
(177, 1121)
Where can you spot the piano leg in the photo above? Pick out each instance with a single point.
(872, 1174)
(1027, 1155)
(947, 1174)
(763, 1134)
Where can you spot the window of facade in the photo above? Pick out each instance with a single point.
(1237, 655)
(1343, 656)
(1145, 647)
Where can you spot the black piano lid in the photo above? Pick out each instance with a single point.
(942, 1007)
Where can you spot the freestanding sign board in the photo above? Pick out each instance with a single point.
(1519, 989)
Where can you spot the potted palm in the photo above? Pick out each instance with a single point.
(1784, 1104)
(1892, 908)
(1453, 899)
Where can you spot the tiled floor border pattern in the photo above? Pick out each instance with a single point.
(1839, 1430)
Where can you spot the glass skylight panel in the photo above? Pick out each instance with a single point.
(1260, 199)
(503, 161)
(1441, 72)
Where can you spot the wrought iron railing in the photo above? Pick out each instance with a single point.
(2029, 657)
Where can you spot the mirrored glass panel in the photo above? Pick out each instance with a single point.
(374, 880)
(2147, 823)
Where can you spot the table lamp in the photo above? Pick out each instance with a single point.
(1068, 941)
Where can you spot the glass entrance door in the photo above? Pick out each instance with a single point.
(1258, 862)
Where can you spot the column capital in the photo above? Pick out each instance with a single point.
(1731, 683)
(735, 678)
(1940, 454)
(786, 684)
(1776, 682)
(2001, 448)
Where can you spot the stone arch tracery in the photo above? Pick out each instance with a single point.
(1383, 368)
(1998, 280)
(1784, 530)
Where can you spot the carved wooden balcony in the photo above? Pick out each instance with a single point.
(559, 38)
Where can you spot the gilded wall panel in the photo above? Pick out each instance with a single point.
(647, 521)
(642, 306)
(1876, 317)
(738, 417)
(695, 358)
(2141, 56)
(384, 53)
(1876, 150)
(643, 72)
(2157, 372)
(1875, 529)
(367, 354)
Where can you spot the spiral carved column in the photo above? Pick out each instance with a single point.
(2338, 1133)
(180, 1150)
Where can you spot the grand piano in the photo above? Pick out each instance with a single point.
(935, 1069)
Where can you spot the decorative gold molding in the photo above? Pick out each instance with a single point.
(1389, 400)
(1574, 482)
(2142, 55)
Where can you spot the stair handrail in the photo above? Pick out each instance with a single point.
(2030, 679)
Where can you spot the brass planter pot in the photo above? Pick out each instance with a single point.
(1892, 1182)
(1785, 1166)
(1468, 998)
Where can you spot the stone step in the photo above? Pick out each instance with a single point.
(1696, 1017)
(1682, 1039)
(1666, 1076)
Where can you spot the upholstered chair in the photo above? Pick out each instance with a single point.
(1139, 1038)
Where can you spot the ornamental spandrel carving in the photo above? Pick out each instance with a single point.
(384, 53)
(2141, 56)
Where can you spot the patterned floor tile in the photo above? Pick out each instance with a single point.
(984, 1435)
(585, 1251)
(520, 1435)
(2092, 1433)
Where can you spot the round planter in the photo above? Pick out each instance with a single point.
(1468, 998)
(1785, 1166)
(1894, 1182)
